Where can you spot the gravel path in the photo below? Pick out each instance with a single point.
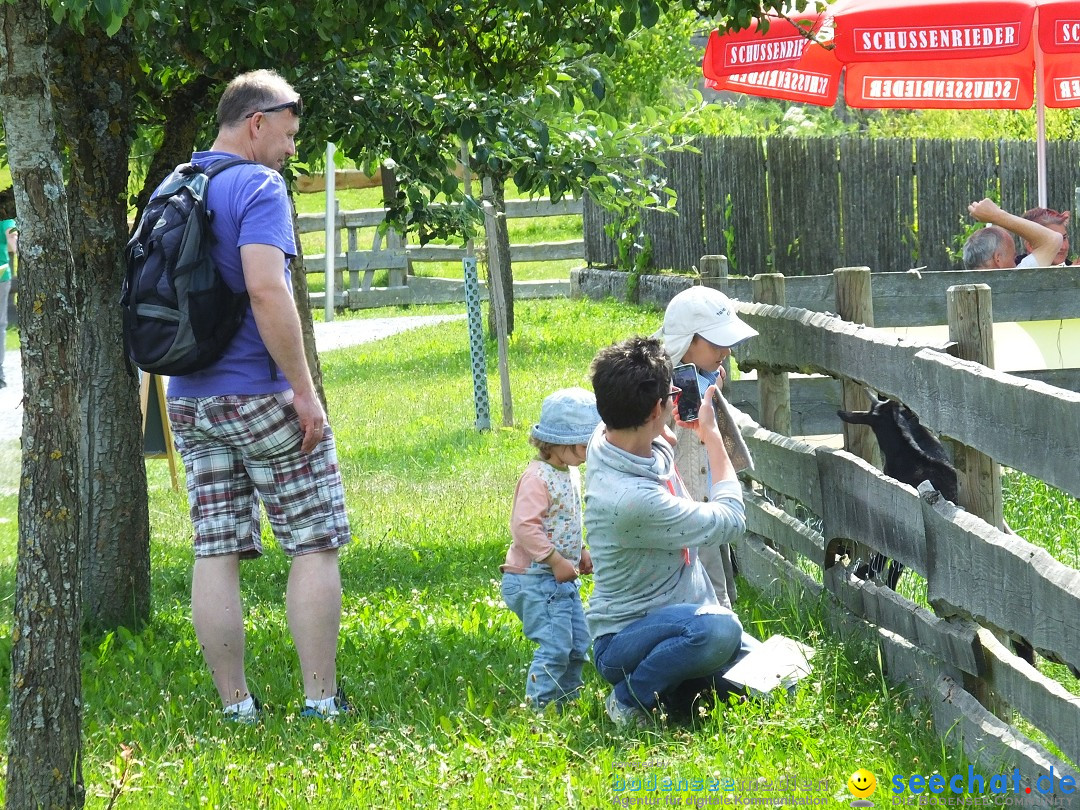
(335, 335)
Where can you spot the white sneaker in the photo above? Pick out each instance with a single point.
(249, 715)
(623, 715)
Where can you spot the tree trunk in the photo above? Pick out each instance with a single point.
(44, 753)
(303, 306)
(94, 90)
(506, 270)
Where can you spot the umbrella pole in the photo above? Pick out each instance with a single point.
(1040, 122)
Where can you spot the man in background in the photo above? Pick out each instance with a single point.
(250, 427)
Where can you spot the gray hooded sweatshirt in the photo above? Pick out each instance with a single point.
(643, 531)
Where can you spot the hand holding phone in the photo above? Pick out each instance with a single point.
(685, 378)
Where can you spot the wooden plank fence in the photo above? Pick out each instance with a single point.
(793, 205)
(357, 264)
(974, 572)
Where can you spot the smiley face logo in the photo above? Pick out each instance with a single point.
(862, 784)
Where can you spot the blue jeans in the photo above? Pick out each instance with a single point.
(552, 616)
(671, 652)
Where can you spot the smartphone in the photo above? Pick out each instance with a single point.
(685, 377)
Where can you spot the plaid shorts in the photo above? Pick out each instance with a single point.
(240, 450)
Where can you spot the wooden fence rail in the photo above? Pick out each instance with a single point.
(393, 254)
(918, 299)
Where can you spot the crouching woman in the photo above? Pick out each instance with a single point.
(660, 636)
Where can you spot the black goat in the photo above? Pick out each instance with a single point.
(912, 455)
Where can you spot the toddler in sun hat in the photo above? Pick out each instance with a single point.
(540, 575)
(700, 327)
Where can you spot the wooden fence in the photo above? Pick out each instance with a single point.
(977, 576)
(357, 264)
(794, 205)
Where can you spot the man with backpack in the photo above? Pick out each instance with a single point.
(250, 426)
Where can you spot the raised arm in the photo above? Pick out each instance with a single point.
(1044, 242)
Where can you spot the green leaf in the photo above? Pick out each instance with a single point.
(627, 21)
(112, 23)
(469, 128)
(650, 13)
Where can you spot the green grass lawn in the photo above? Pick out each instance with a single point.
(433, 662)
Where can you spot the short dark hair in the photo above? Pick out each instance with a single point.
(250, 91)
(628, 378)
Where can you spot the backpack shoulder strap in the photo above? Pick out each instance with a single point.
(219, 166)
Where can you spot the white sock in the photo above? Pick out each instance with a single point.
(325, 706)
(245, 707)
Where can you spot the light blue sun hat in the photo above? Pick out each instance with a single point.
(568, 416)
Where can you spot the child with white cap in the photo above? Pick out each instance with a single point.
(700, 327)
(539, 581)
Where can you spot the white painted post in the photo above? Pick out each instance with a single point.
(331, 232)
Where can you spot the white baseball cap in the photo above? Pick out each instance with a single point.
(701, 311)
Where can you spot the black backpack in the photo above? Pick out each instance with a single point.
(179, 314)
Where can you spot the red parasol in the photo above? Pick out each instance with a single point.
(785, 62)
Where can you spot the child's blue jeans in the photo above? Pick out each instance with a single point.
(552, 617)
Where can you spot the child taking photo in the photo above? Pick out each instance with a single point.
(546, 554)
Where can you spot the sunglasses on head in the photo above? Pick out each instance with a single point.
(297, 108)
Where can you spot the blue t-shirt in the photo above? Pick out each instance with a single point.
(250, 206)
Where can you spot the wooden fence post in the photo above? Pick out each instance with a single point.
(774, 390)
(499, 303)
(395, 239)
(332, 244)
(714, 272)
(971, 326)
(855, 303)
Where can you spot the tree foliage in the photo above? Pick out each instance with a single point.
(408, 82)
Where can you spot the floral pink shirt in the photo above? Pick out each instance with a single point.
(545, 517)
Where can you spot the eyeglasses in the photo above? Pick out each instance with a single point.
(297, 108)
(673, 394)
